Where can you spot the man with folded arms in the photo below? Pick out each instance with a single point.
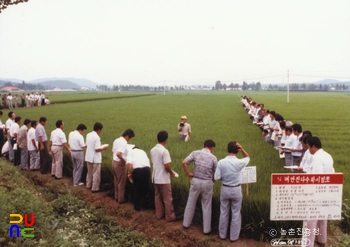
(77, 145)
(202, 182)
(57, 141)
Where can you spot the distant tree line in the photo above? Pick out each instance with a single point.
(147, 88)
(278, 87)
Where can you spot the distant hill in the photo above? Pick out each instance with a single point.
(78, 81)
(61, 84)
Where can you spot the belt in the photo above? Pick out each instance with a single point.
(57, 145)
(231, 186)
(76, 150)
(142, 167)
(294, 156)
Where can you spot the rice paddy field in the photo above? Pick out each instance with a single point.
(212, 115)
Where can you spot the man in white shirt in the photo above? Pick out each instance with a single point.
(8, 124)
(31, 99)
(57, 141)
(322, 163)
(161, 175)
(266, 119)
(118, 165)
(93, 158)
(33, 148)
(184, 129)
(297, 148)
(23, 143)
(138, 166)
(13, 133)
(77, 145)
(9, 100)
(288, 158)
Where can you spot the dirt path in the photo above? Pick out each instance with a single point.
(171, 234)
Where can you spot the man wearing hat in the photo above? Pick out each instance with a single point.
(184, 129)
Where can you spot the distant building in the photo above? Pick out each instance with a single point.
(10, 89)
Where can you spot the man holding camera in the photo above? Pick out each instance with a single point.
(184, 129)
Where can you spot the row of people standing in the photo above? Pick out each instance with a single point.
(134, 164)
(12, 101)
(301, 150)
(26, 144)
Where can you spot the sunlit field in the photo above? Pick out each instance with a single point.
(212, 115)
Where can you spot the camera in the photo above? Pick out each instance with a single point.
(181, 125)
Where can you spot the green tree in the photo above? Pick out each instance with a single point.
(5, 3)
(218, 85)
(245, 86)
(257, 86)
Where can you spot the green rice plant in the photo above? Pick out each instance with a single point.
(63, 221)
(212, 115)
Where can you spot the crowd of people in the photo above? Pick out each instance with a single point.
(301, 151)
(30, 148)
(12, 101)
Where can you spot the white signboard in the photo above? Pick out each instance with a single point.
(248, 175)
(306, 196)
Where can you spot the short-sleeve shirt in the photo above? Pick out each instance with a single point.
(119, 145)
(58, 137)
(8, 123)
(160, 156)
(93, 142)
(306, 162)
(14, 129)
(40, 132)
(322, 162)
(289, 142)
(76, 141)
(185, 130)
(297, 145)
(229, 170)
(204, 163)
(22, 137)
(138, 159)
(30, 137)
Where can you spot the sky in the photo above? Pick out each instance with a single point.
(179, 42)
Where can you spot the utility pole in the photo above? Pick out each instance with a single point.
(288, 86)
(164, 88)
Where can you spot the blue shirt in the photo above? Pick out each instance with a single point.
(229, 170)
